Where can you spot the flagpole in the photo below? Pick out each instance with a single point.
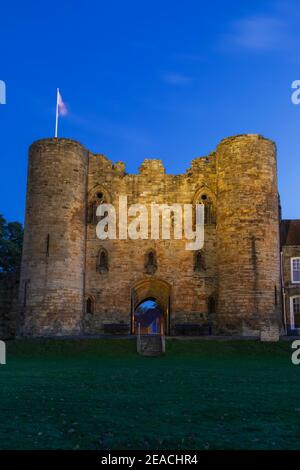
(56, 115)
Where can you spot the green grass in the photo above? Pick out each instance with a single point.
(99, 394)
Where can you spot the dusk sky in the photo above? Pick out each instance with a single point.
(149, 79)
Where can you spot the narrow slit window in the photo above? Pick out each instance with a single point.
(26, 289)
(199, 263)
(47, 245)
(89, 305)
(102, 261)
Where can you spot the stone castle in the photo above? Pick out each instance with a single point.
(72, 283)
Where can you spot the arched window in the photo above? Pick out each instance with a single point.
(97, 198)
(211, 304)
(102, 261)
(209, 212)
(150, 262)
(89, 305)
(199, 261)
(151, 258)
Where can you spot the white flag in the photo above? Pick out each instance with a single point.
(62, 109)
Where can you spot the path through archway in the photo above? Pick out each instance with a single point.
(151, 301)
(149, 318)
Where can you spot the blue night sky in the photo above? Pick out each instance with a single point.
(161, 79)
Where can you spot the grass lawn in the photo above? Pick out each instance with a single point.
(98, 394)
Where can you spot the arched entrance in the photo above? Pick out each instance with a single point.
(150, 300)
(149, 318)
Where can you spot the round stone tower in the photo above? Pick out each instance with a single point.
(247, 235)
(52, 272)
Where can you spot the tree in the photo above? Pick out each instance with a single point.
(11, 239)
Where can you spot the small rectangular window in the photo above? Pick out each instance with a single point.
(47, 245)
(26, 288)
(296, 304)
(295, 312)
(295, 265)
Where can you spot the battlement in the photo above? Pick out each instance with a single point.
(202, 164)
(72, 282)
(152, 166)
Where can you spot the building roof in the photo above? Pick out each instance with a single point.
(290, 232)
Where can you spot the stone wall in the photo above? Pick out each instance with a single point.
(60, 266)
(111, 291)
(247, 234)
(52, 274)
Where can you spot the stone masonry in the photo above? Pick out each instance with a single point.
(73, 283)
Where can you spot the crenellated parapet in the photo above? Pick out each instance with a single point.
(72, 282)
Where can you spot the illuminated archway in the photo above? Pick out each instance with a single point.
(157, 291)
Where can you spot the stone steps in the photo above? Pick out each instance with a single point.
(150, 345)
